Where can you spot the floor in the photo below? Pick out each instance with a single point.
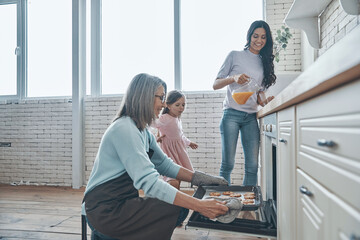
(42, 213)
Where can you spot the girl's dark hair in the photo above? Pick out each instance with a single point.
(266, 53)
(138, 102)
(172, 97)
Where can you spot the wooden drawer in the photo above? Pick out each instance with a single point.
(313, 209)
(322, 121)
(323, 215)
(345, 220)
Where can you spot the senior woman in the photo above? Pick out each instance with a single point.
(129, 159)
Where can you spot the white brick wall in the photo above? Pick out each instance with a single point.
(290, 59)
(99, 112)
(40, 136)
(335, 23)
(201, 121)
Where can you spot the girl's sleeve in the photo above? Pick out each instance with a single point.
(185, 140)
(226, 67)
(163, 164)
(183, 137)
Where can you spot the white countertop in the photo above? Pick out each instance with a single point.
(337, 66)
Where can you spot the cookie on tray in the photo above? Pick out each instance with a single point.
(214, 194)
(248, 201)
(249, 195)
(228, 193)
(235, 195)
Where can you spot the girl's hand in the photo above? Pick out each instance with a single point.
(212, 208)
(193, 145)
(241, 78)
(159, 138)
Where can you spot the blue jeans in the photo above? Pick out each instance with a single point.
(233, 122)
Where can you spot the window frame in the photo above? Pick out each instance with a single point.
(95, 49)
(96, 40)
(21, 83)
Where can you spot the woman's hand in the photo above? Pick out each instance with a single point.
(241, 78)
(262, 100)
(212, 208)
(193, 145)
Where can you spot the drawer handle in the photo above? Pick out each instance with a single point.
(325, 143)
(282, 140)
(305, 191)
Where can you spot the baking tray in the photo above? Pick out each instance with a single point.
(204, 191)
(265, 226)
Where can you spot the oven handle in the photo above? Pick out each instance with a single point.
(305, 191)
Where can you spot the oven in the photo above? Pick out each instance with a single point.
(259, 219)
(267, 164)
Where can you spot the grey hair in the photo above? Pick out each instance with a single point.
(138, 102)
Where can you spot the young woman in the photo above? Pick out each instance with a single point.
(130, 159)
(255, 62)
(172, 139)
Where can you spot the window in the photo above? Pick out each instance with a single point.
(136, 40)
(8, 49)
(209, 31)
(49, 48)
(182, 42)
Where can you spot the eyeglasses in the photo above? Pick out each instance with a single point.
(162, 98)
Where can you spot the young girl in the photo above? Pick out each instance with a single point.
(172, 139)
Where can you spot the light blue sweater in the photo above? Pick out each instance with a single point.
(123, 148)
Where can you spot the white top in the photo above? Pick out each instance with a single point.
(239, 62)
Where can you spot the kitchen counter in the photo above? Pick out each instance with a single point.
(337, 66)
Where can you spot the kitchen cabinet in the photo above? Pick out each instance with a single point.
(286, 174)
(328, 140)
(313, 208)
(323, 215)
(328, 165)
(345, 220)
(324, 154)
(318, 166)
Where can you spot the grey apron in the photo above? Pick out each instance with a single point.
(115, 209)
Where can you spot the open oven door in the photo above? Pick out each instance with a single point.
(258, 219)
